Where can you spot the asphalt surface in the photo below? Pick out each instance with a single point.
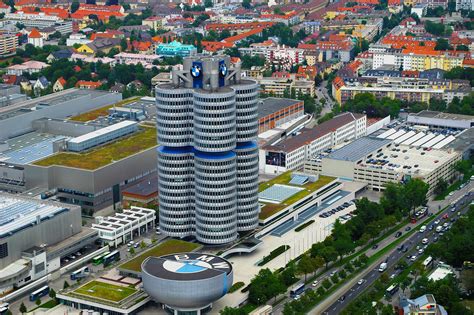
(396, 255)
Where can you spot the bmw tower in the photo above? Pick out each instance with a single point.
(207, 124)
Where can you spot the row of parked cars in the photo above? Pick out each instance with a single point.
(333, 211)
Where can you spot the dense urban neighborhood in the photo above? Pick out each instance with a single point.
(237, 157)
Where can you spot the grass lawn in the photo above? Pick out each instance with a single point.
(105, 291)
(270, 209)
(168, 247)
(103, 111)
(93, 159)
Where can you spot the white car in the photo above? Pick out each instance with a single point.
(451, 193)
(315, 283)
(297, 297)
(393, 275)
(424, 241)
(360, 281)
(436, 222)
(420, 251)
(413, 258)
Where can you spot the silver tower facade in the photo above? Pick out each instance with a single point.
(208, 159)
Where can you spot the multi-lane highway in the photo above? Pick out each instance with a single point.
(463, 198)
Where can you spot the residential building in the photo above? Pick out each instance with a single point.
(35, 38)
(208, 158)
(29, 67)
(40, 21)
(423, 305)
(292, 153)
(467, 5)
(88, 85)
(237, 27)
(59, 85)
(281, 86)
(100, 44)
(419, 9)
(130, 58)
(274, 112)
(80, 39)
(8, 44)
(154, 22)
(175, 49)
(390, 158)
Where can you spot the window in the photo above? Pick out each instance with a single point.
(3, 250)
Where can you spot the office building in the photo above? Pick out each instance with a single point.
(439, 120)
(467, 5)
(34, 236)
(175, 49)
(291, 153)
(207, 121)
(390, 158)
(423, 305)
(124, 226)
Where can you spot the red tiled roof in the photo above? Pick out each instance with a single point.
(62, 81)
(34, 34)
(215, 46)
(307, 46)
(238, 26)
(238, 37)
(90, 84)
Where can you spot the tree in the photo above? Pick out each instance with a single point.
(65, 285)
(232, 311)
(329, 254)
(441, 186)
(287, 276)
(74, 6)
(208, 3)
(415, 193)
(23, 308)
(264, 286)
(38, 301)
(442, 44)
(246, 4)
(52, 294)
(132, 251)
(463, 166)
(305, 265)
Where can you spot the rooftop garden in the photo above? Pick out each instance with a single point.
(104, 291)
(270, 209)
(103, 111)
(104, 155)
(168, 247)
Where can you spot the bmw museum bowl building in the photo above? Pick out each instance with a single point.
(187, 283)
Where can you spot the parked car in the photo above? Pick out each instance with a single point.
(398, 234)
(361, 281)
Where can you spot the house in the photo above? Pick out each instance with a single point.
(4, 8)
(29, 67)
(100, 44)
(35, 38)
(117, 88)
(41, 84)
(60, 54)
(59, 85)
(88, 85)
(425, 304)
(136, 84)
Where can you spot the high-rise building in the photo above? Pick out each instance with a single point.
(208, 158)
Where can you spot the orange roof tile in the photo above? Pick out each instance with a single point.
(215, 46)
(90, 84)
(238, 37)
(34, 34)
(238, 26)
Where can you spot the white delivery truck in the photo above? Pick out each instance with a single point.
(383, 267)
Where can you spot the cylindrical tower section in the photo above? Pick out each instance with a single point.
(247, 186)
(215, 197)
(246, 109)
(214, 120)
(176, 187)
(174, 119)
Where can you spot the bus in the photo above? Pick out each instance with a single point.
(110, 258)
(391, 290)
(428, 262)
(297, 289)
(80, 273)
(39, 293)
(98, 259)
(420, 214)
(3, 310)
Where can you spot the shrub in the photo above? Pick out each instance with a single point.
(327, 284)
(302, 226)
(236, 286)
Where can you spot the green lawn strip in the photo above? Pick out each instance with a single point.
(105, 291)
(106, 154)
(455, 186)
(270, 209)
(48, 304)
(236, 286)
(247, 308)
(274, 254)
(170, 246)
(304, 225)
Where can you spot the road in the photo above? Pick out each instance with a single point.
(394, 256)
(433, 206)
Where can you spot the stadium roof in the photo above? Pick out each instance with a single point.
(358, 149)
